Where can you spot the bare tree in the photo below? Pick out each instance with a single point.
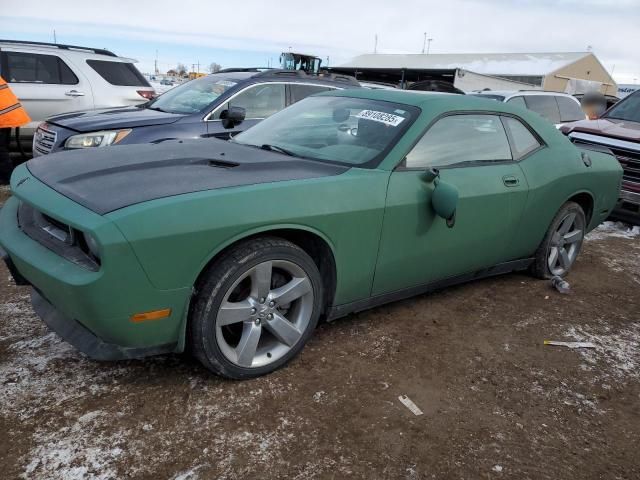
(181, 69)
(214, 67)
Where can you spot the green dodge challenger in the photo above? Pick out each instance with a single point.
(342, 202)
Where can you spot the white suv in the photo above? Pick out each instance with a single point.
(558, 108)
(50, 79)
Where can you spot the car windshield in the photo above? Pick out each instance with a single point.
(628, 109)
(194, 96)
(345, 130)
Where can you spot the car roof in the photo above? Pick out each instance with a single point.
(288, 76)
(513, 93)
(436, 104)
(416, 98)
(85, 52)
(233, 76)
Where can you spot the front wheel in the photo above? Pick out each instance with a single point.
(560, 247)
(256, 308)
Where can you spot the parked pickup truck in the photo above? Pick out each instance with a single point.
(619, 130)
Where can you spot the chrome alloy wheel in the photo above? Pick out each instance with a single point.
(264, 313)
(565, 244)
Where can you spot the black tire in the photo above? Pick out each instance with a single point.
(215, 284)
(540, 267)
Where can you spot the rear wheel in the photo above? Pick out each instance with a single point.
(256, 308)
(560, 247)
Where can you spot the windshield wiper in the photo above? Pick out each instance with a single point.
(275, 148)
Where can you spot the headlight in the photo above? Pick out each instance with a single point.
(96, 139)
(92, 245)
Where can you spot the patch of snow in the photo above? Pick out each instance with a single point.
(497, 468)
(76, 452)
(190, 474)
(28, 368)
(613, 229)
(620, 350)
(318, 396)
(562, 393)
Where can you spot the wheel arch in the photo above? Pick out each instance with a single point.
(586, 200)
(316, 244)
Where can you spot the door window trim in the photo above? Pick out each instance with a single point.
(401, 166)
(207, 117)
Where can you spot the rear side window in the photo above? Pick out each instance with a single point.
(517, 102)
(119, 73)
(570, 110)
(461, 138)
(298, 91)
(545, 106)
(522, 140)
(21, 67)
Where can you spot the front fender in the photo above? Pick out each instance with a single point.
(263, 229)
(176, 237)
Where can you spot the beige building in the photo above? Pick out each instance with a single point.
(571, 72)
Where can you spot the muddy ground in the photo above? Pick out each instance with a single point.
(497, 403)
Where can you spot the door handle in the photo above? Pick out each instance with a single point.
(74, 93)
(511, 181)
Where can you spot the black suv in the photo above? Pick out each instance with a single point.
(192, 110)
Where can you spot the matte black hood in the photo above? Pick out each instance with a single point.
(113, 118)
(107, 179)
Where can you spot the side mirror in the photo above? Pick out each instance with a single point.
(232, 116)
(444, 198)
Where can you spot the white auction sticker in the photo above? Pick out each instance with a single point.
(382, 117)
(226, 83)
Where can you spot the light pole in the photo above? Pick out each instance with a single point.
(424, 41)
(429, 40)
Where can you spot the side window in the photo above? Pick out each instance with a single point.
(517, 102)
(300, 91)
(20, 67)
(570, 110)
(259, 101)
(119, 73)
(522, 140)
(461, 138)
(545, 106)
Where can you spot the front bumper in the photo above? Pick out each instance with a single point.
(84, 340)
(628, 207)
(15, 274)
(102, 302)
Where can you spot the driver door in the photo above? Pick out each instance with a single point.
(417, 247)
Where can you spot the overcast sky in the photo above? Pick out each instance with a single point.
(253, 32)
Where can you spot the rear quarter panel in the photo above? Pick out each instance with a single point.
(557, 173)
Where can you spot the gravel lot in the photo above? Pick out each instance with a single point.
(497, 403)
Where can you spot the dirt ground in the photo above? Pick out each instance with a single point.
(497, 403)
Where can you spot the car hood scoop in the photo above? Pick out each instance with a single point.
(111, 178)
